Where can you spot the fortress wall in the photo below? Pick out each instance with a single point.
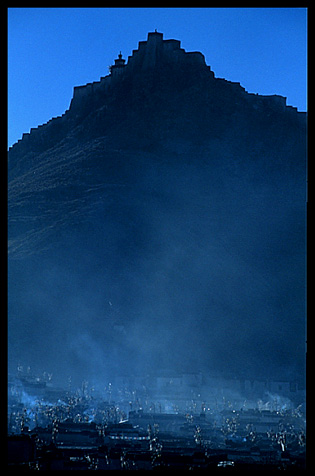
(179, 55)
(171, 45)
(292, 109)
(150, 51)
(117, 71)
(82, 93)
(274, 101)
(90, 88)
(302, 117)
(132, 60)
(155, 38)
(141, 45)
(172, 51)
(195, 58)
(153, 50)
(102, 84)
(36, 133)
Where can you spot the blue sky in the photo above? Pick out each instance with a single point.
(51, 50)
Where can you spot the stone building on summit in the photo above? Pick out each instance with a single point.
(151, 55)
(158, 61)
(165, 63)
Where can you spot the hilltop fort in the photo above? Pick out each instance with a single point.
(158, 69)
(160, 223)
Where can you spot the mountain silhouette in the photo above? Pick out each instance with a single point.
(160, 223)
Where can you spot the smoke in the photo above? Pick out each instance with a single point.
(190, 266)
(278, 402)
(29, 401)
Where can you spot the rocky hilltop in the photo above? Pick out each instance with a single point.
(160, 83)
(160, 219)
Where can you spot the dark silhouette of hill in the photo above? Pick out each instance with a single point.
(160, 222)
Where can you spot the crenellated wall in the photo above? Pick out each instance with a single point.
(80, 92)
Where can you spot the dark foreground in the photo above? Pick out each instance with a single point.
(174, 427)
(247, 440)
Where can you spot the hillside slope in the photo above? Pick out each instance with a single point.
(160, 223)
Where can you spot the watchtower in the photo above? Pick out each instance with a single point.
(118, 66)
